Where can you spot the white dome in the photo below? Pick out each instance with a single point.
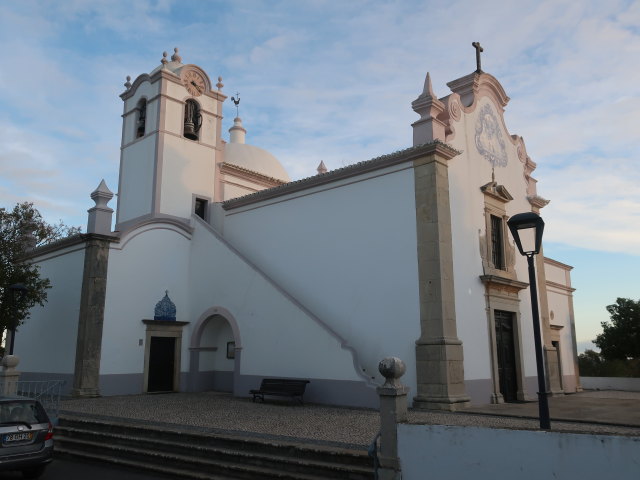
(252, 158)
(255, 159)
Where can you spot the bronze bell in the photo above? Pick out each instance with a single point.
(190, 130)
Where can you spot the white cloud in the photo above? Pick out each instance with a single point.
(334, 82)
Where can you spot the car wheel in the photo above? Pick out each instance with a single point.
(35, 472)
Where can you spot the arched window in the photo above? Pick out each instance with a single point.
(192, 119)
(142, 118)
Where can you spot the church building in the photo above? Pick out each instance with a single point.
(219, 271)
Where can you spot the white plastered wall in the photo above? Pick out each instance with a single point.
(467, 173)
(46, 342)
(135, 188)
(145, 263)
(559, 298)
(187, 168)
(136, 181)
(347, 251)
(277, 337)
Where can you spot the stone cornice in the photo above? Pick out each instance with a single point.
(556, 263)
(507, 283)
(231, 169)
(410, 154)
(537, 202)
(130, 225)
(559, 286)
(172, 77)
(68, 242)
(164, 323)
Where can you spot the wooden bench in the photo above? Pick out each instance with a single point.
(280, 387)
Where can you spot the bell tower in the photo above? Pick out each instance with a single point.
(171, 138)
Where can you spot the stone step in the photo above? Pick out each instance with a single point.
(172, 454)
(160, 469)
(189, 465)
(336, 453)
(195, 454)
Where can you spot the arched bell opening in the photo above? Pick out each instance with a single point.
(192, 120)
(141, 122)
(215, 349)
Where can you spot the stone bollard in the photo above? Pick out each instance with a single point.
(393, 410)
(9, 376)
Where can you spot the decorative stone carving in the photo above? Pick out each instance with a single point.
(522, 154)
(488, 137)
(454, 107)
(99, 220)
(176, 57)
(429, 127)
(392, 368)
(165, 309)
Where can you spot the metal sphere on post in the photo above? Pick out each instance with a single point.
(531, 225)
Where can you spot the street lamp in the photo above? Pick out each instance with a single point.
(526, 229)
(18, 291)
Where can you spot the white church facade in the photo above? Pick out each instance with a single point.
(404, 255)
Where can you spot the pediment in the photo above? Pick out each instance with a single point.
(499, 192)
(475, 85)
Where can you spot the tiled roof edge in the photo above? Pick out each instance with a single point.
(365, 166)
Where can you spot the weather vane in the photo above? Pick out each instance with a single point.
(236, 101)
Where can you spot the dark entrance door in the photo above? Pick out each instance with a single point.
(162, 352)
(506, 355)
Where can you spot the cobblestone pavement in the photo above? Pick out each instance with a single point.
(354, 426)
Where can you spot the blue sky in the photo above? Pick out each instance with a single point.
(333, 81)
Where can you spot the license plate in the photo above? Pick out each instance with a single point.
(17, 437)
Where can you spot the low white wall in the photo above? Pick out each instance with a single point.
(482, 453)
(626, 384)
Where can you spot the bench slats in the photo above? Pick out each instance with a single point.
(282, 387)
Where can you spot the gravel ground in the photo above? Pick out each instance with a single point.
(224, 412)
(313, 423)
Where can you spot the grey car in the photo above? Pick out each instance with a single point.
(26, 436)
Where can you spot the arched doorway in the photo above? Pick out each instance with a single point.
(215, 350)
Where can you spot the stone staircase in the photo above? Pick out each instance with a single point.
(199, 454)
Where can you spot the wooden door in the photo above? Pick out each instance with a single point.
(162, 351)
(505, 344)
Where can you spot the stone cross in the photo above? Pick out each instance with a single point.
(479, 49)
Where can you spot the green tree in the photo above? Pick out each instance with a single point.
(592, 364)
(620, 338)
(21, 230)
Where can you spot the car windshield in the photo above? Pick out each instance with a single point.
(21, 411)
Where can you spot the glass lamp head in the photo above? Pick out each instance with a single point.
(526, 229)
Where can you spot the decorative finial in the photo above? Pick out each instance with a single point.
(236, 101)
(479, 49)
(428, 88)
(219, 84)
(392, 368)
(127, 84)
(321, 168)
(176, 57)
(164, 58)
